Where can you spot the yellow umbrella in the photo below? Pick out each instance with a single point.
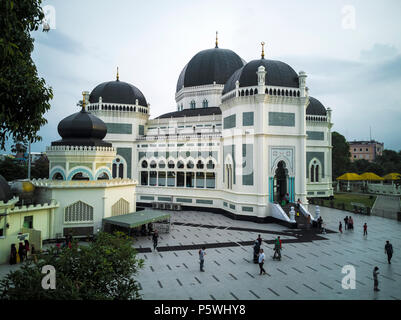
(370, 176)
(350, 177)
(392, 176)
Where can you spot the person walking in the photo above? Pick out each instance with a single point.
(261, 262)
(388, 248)
(155, 238)
(340, 227)
(346, 222)
(13, 254)
(259, 239)
(277, 249)
(202, 254)
(351, 223)
(375, 280)
(26, 245)
(256, 249)
(365, 229)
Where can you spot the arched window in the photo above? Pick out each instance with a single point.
(192, 104)
(162, 164)
(80, 176)
(200, 165)
(246, 92)
(312, 173)
(144, 164)
(190, 164)
(121, 170)
(180, 165)
(251, 92)
(205, 103)
(103, 176)
(171, 164)
(256, 91)
(317, 173)
(114, 170)
(210, 165)
(57, 176)
(153, 164)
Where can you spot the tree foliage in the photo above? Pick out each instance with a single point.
(341, 154)
(103, 270)
(24, 96)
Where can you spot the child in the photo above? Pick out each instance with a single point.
(340, 227)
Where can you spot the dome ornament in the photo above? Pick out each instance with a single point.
(118, 76)
(217, 39)
(263, 49)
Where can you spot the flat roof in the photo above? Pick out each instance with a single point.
(135, 219)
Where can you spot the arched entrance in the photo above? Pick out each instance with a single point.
(280, 181)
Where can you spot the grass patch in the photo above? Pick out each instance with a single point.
(343, 201)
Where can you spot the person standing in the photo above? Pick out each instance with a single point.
(261, 261)
(365, 229)
(13, 254)
(376, 281)
(202, 254)
(21, 252)
(351, 223)
(277, 249)
(340, 227)
(346, 222)
(26, 249)
(259, 239)
(388, 248)
(155, 238)
(256, 249)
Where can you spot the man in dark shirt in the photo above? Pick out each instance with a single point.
(376, 281)
(346, 222)
(388, 248)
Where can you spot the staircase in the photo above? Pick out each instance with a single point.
(301, 220)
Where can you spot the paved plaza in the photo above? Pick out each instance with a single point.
(310, 267)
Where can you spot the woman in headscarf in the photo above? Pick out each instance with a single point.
(21, 252)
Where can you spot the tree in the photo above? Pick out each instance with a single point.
(40, 168)
(12, 170)
(104, 270)
(24, 96)
(341, 154)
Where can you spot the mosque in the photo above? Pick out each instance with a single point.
(242, 137)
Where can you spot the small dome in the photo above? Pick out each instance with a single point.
(117, 92)
(208, 66)
(5, 190)
(277, 74)
(82, 129)
(315, 107)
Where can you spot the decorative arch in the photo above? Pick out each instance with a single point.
(119, 166)
(102, 171)
(78, 212)
(80, 170)
(57, 170)
(120, 207)
(315, 170)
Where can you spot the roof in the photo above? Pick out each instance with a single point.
(82, 129)
(117, 92)
(315, 107)
(370, 176)
(350, 177)
(277, 74)
(191, 113)
(132, 220)
(392, 176)
(208, 66)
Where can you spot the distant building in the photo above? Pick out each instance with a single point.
(367, 150)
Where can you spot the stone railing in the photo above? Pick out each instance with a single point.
(80, 148)
(179, 136)
(82, 183)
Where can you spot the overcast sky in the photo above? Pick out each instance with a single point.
(353, 65)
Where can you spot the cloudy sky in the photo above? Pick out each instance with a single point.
(351, 51)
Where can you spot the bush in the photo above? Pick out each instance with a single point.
(104, 270)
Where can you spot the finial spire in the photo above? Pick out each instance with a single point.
(118, 76)
(263, 49)
(217, 39)
(83, 100)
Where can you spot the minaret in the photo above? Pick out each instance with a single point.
(261, 74)
(263, 49)
(217, 40)
(118, 76)
(302, 84)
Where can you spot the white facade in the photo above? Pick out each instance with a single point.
(230, 160)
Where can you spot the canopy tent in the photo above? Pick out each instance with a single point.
(136, 219)
(392, 176)
(350, 177)
(370, 176)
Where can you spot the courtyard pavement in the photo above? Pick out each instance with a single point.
(310, 268)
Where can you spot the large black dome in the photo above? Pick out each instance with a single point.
(277, 74)
(208, 66)
(315, 107)
(117, 92)
(82, 129)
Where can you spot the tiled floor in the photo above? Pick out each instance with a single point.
(310, 267)
(308, 270)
